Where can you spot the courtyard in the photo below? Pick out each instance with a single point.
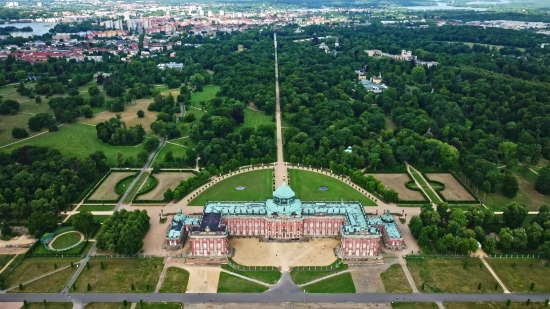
(252, 252)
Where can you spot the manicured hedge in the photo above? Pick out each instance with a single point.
(155, 183)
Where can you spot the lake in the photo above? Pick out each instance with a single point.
(38, 28)
(442, 6)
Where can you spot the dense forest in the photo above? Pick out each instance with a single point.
(37, 183)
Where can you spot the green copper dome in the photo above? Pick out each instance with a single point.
(179, 217)
(283, 192)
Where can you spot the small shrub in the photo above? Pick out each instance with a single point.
(89, 287)
(528, 303)
(465, 264)
(72, 265)
(147, 286)
(508, 302)
(514, 265)
(423, 285)
(496, 286)
(125, 303)
(20, 287)
(532, 287)
(87, 265)
(546, 302)
(25, 304)
(132, 287)
(54, 265)
(102, 265)
(74, 287)
(480, 265)
(479, 286)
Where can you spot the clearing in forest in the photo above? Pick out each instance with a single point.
(453, 191)
(397, 183)
(106, 190)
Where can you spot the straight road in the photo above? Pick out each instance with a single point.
(280, 170)
(268, 297)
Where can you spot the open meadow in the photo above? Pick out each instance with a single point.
(165, 180)
(306, 186)
(208, 92)
(397, 183)
(453, 191)
(258, 186)
(119, 274)
(106, 190)
(449, 275)
(518, 274)
(34, 267)
(78, 140)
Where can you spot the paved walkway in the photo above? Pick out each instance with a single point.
(407, 273)
(325, 277)
(162, 276)
(494, 275)
(8, 264)
(409, 169)
(280, 169)
(285, 285)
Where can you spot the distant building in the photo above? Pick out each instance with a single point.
(171, 65)
(406, 55)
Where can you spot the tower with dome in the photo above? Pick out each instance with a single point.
(287, 218)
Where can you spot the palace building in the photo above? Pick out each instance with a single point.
(285, 218)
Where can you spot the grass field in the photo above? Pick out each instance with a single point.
(66, 240)
(397, 182)
(526, 195)
(395, 281)
(118, 305)
(412, 305)
(270, 277)
(258, 186)
(232, 284)
(306, 186)
(338, 284)
(53, 283)
(34, 267)
(176, 281)
(492, 305)
(453, 191)
(77, 140)
(301, 277)
(124, 184)
(4, 259)
(430, 193)
(50, 305)
(161, 306)
(101, 218)
(254, 119)
(177, 151)
(106, 190)
(96, 207)
(119, 274)
(136, 187)
(208, 92)
(449, 276)
(165, 180)
(519, 279)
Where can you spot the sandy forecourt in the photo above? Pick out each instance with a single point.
(454, 191)
(397, 182)
(165, 180)
(252, 252)
(106, 190)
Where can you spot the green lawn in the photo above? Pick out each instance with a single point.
(77, 140)
(175, 281)
(258, 186)
(232, 284)
(162, 306)
(519, 279)
(270, 277)
(53, 283)
(177, 151)
(4, 259)
(395, 281)
(526, 195)
(306, 186)
(106, 306)
(254, 119)
(412, 305)
(301, 277)
(34, 267)
(96, 207)
(148, 184)
(101, 218)
(492, 305)
(449, 276)
(207, 93)
(431, 195)
(66, 240)
(119, 274)
(342, 283)
(124, 184)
